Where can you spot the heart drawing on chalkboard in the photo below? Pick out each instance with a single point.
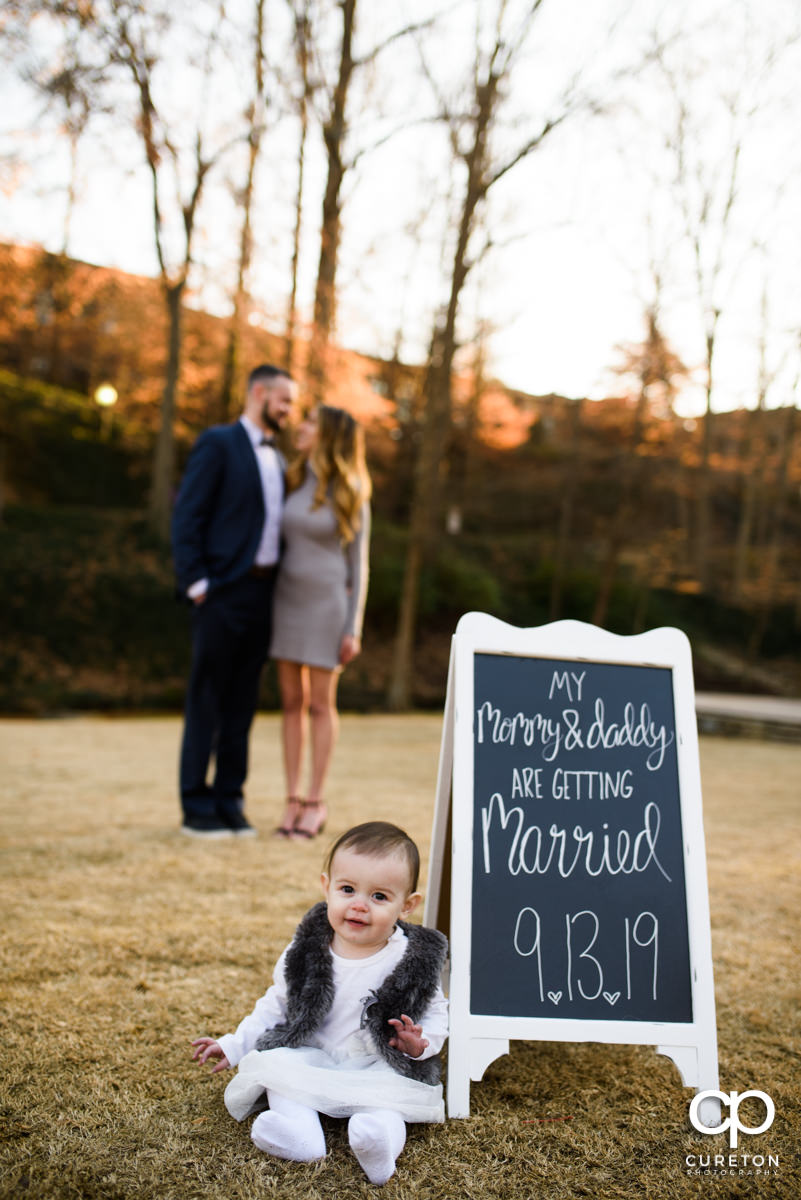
(611, 997)
(554, 997)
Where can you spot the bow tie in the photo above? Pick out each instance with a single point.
(267, 441)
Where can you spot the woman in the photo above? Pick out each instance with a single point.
(319, 599)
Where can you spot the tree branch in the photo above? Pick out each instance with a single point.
(373, 54)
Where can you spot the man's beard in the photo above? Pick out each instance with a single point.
(269, 420)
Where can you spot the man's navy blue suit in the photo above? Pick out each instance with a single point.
(217, 525)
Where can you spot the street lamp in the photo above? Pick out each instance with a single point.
(106, 397)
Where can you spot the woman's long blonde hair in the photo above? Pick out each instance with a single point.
(338, 461)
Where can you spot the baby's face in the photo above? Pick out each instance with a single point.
(366, 895)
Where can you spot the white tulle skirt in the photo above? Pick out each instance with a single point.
(310, 1076)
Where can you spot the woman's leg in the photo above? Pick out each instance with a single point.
(324, 722)
(293, 685)
(324, 726)
(377, 1138)
(289, 1130)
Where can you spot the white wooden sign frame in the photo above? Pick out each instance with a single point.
(475, 1041)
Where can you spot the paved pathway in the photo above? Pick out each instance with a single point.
(756, 716)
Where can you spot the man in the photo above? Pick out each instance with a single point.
(225, 534)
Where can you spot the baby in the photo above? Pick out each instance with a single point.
(355, 1018)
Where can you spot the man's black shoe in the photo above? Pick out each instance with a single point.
(205, 827)
(240, 826)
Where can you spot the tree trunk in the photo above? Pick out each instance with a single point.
(632, 479)
(426, 502)
(255, 115)
(704, 477)
(768, 590)
(233, 350)
(302, 36)
(164, 450)
(2, 476)
(292, 304)
(465, 485)
(621, 523)
(473, 123)
(72, 191)
(425, 517)
(752, 465)
(399, 694)
(334, 136)
(643, 595)
(562, 556)
(614, 544)
(231, 362)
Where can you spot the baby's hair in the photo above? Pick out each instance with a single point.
(378, 837)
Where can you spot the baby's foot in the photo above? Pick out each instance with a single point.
(377, 1139)
(284, 1138)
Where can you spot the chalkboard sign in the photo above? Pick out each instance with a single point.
(578, 870)
(578, 902)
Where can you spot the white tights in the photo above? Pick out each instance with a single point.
(289, 1130)
(293, 1131)
(377, 1138)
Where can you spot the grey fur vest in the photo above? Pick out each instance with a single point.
(408, 989)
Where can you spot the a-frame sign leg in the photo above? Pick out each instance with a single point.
(438, 900)
(436, 913)
(698, 1067)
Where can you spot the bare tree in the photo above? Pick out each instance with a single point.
(752, 457)
(340, 159)
(657, 371)
(465, 431)
(573, 471)
(709, 187)
(71, 90)
(470, 129)
(771, 570)
(177, 180)
(127, 41)
(75, 90)
(302, 20)
(255, 121)
(707, 197)
(334, 132)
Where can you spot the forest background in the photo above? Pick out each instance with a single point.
(668, 493)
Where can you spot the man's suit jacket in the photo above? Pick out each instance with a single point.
(219, 511)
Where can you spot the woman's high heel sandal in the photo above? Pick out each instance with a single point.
(291, 816)
(317, 823)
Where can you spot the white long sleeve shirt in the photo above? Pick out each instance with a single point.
(340, 1034)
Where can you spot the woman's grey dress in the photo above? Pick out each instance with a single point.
(322, 586)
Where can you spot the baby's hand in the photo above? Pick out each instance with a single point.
(408, 1037)
(206, 1048)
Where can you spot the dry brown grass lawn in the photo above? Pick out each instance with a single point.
(121, 940)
